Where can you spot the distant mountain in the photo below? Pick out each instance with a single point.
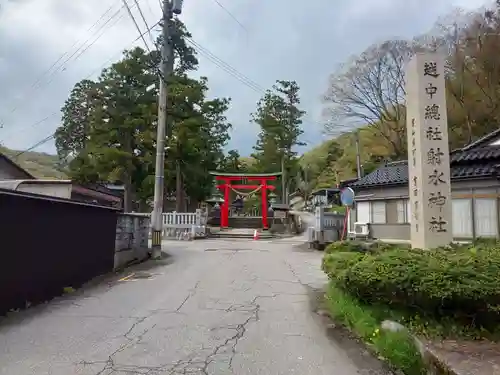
(39, 164)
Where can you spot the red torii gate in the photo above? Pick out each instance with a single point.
(226, 185)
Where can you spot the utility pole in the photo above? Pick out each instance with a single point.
(283, 179)
(166, 68)
(358, 155)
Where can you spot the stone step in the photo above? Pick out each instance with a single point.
(238, 233)
(242, 236)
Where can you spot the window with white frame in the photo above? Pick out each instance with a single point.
(485, 217)
(403, 210)
(363, 212)
(462, 218)
(377, 211)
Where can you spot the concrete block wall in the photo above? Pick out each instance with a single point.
(131, 243)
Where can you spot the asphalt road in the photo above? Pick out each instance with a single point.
(213, 307)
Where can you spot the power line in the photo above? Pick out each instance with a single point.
(150, 8)
(38, 82)
(125, 4)
(47, 139)
(144, 19)
(84, 46)
(43, 141)
(74, 44)
(116, 20)
(121, 51)
(211, 57)
(202, 51)
(231, 70)
(230, 14)
(226, 67)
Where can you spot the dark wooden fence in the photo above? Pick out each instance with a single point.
(47, 244)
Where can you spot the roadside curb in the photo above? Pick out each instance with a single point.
(438, 366)
(339, 333)
(353, 346)
(434, 364)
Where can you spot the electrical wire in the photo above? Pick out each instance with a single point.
(230, 14)
(43, 141)
(231, 70)
(215, 60)
(226, 67)
(150, 8)
(49, 138)
(144, 19)
(38, 84)
(125, 4)
(74, 45)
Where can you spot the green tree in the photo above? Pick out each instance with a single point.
(231, 162)
(116, 139)
(71, 136)
(121, 135)
(279, 118)
(200, 131)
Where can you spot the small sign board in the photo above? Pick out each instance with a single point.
(347, 197)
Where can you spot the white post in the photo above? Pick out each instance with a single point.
(428, 152)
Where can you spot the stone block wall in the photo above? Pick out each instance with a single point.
(131, 243)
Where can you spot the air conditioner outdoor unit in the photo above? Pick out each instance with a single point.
(361, 229)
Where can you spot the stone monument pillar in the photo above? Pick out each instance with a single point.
(428, 152)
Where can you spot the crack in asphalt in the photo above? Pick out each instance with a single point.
(187, 366)
(191, 293)
(199, 361)
(110, 365)
(229, 344)
(297, 277)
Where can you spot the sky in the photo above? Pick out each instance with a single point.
(263, 40)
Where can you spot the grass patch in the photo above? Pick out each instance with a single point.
(451, 292)
(397, 348)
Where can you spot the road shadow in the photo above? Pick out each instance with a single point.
(97, 285)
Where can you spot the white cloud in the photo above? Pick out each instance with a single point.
(281, 39)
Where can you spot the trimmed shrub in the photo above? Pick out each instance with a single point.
(459, 281)
(337, 264)
(345, 246)
(361, 247)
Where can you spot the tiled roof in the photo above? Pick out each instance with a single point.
(392, 174)
(482, 154)
(465, 163)
(483, 140)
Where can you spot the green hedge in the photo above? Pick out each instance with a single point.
(461, 281)
(360, 247)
